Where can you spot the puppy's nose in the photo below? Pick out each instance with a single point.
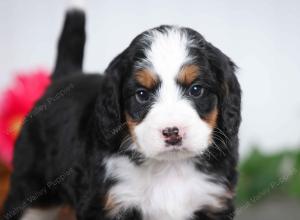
(167, 132)
(172, 136)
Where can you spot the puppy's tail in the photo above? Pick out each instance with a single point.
(71, 42)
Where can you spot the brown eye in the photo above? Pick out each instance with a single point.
(196, 91)
(142, 96)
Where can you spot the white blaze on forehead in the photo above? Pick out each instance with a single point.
(168, 52)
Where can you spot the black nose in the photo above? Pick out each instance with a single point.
(168, 132)
(172, 136)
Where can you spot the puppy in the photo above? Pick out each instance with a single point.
(153, 138)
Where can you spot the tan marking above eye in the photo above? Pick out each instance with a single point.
(188, 74)
(211, 118)
(146, 78)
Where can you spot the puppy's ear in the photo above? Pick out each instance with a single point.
(108, 107)
(230, 92)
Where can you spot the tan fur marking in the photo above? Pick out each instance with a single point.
(67, 213)
(109, 203)
(188, 74)
(146, 78)
(4, 184)
(212, 117)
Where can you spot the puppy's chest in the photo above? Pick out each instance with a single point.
(161, 190)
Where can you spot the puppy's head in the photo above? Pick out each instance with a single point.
(173, 91)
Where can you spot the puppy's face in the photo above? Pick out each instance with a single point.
(170, 96)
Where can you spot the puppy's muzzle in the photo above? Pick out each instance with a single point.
(172, 136)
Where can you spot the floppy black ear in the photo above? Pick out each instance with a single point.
(230, 92)
(108, 110)
(109, 118)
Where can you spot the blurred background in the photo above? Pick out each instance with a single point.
(262, 37)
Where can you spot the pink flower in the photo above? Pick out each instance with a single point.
(15, 104)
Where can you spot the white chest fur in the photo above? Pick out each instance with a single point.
(161, 190)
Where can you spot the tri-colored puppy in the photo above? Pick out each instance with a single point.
(154, 138)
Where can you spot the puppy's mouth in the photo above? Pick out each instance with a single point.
(175, 153)
(174, 142)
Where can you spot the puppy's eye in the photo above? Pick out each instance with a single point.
(142, 95)
(196, 91)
